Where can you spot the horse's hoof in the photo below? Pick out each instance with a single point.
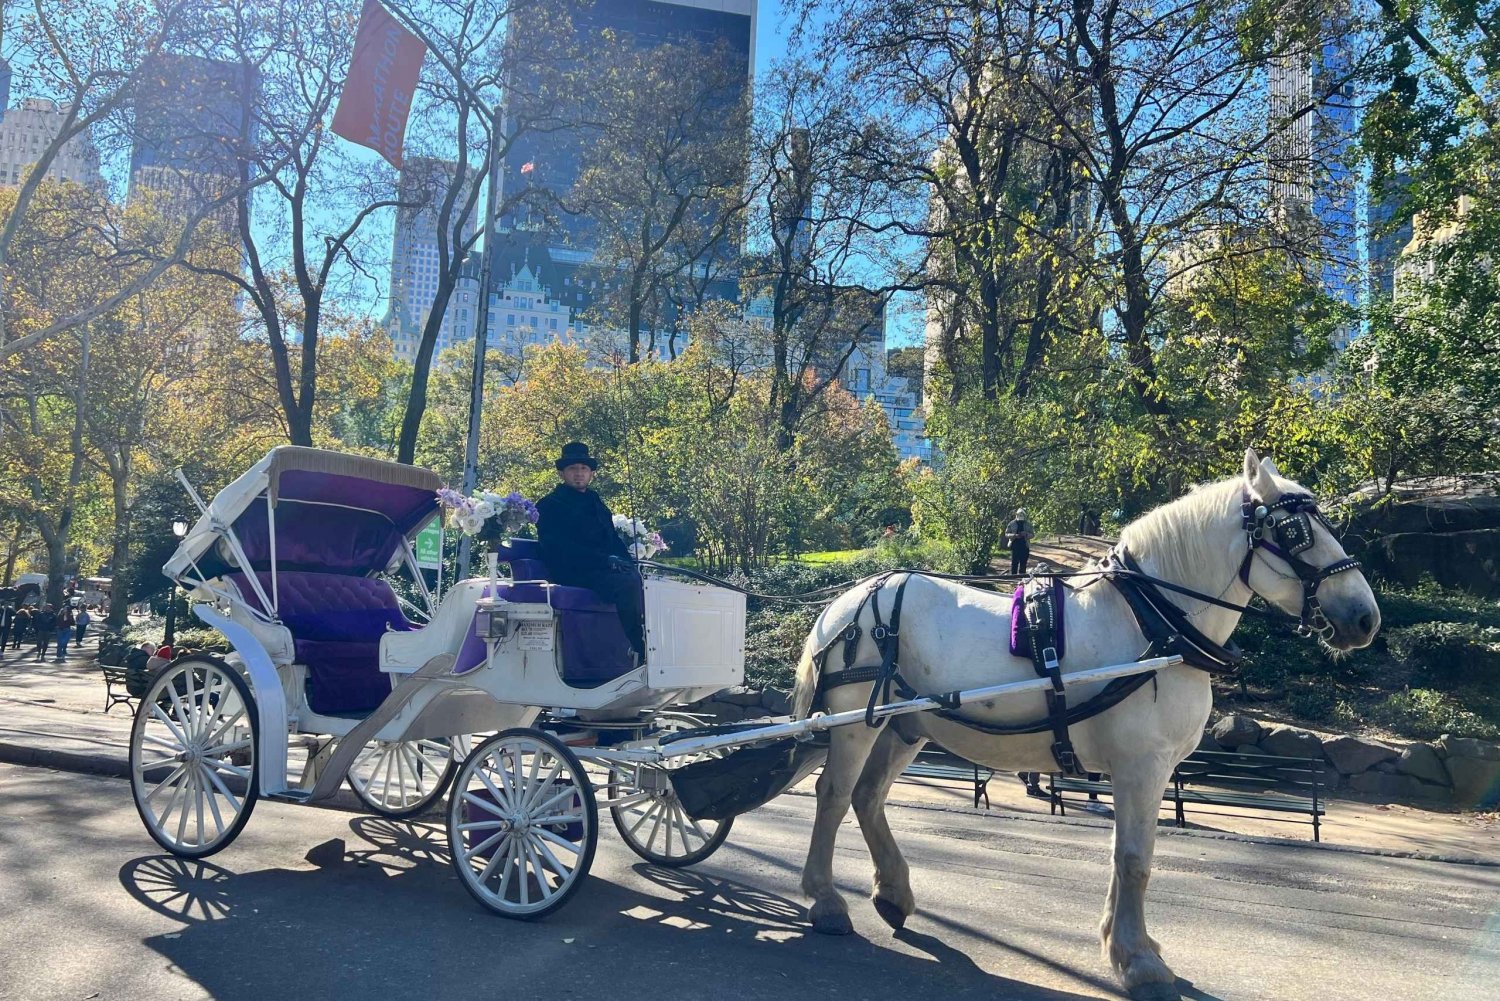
(834, 923)
(890, 913)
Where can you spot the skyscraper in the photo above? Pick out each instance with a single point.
(28, 129)
(1313, 187)
(191, 117)
(416, 263)
(555, 255)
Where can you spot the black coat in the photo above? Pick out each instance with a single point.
(578, 535)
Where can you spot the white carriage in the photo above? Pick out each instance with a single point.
(334, 676)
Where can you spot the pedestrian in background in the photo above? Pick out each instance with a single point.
(82, 625)
(1018, 535)
(7, 620)
(20, 625)
(65, 623)
(44, 625)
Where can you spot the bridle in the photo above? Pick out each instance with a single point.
(1293, 534)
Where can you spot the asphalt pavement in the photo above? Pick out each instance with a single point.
(322, 904)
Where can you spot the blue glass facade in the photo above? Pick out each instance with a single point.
(557, 250)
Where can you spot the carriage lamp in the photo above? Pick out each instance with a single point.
(179, 527)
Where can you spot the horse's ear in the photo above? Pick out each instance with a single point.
(1260, 476)
(1252, 467)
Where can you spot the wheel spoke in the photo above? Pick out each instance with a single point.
(494, 859)
(225, 725)
(494, 808)
(479, 848)
(510, 857)
(161, 820)
(182, 741)
(539, 790)
(203, 793)
(544, 855)
(170, 780)
(567, 793)
(225, 766)
(224, 789)
(502, 799)
(559, 840)
(171, 745)
(646, 815)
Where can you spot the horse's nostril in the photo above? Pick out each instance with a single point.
(1366, 623)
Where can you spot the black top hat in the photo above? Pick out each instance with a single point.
(575, 452)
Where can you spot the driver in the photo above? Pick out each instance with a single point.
(581, 547)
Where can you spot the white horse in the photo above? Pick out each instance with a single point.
(953, 638)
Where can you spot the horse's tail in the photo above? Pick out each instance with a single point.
(807, 677)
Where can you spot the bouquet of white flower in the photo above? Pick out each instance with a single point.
(488, 517)
(642, 542)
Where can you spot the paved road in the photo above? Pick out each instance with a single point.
(318, 904)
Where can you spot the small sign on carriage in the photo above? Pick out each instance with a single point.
(534, 635)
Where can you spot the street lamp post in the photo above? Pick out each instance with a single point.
(169, 635)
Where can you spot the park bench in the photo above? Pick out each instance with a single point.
(936, 763)
(116, 676)
(1260, 782)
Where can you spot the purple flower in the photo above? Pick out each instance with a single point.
(450, 498)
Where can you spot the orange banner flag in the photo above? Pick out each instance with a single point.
(382, 78)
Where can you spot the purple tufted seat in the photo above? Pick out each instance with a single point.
(336, 622)
(594, 647)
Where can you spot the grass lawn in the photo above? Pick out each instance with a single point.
(832, 556)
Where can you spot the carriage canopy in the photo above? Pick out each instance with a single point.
(311, 509)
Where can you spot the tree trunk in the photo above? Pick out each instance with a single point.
(120, 549)
(15, 551)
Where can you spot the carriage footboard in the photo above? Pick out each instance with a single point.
(740, 781)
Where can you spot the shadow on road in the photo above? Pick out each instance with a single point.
(385, 917)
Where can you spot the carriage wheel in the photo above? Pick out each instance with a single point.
(655, 826)
(193, 766)
(402, 778)
(522, 823)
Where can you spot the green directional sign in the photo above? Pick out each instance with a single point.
(429, 546)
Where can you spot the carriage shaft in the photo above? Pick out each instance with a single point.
(818, 724)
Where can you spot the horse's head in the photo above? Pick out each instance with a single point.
(1297, 564)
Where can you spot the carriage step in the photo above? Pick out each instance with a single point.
(291, 795)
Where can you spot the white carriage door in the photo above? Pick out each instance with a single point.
(695, 635)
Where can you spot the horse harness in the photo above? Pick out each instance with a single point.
(1294, 535)
(1037, 633)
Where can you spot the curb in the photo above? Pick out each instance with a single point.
(86, 762)
(1180, 832)
(113, 767)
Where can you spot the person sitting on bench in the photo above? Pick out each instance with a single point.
(581, 547)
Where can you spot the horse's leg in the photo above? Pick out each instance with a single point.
(892, 892)
(849, 746)
(1133, 954)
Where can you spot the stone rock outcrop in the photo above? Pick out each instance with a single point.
(1421, 762)
(1235, 731)
(1290, 742)
(1474, 767)
(1395, 788)
(1444, 527)
(1352, 755)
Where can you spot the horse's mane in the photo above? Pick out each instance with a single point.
(1178, 536)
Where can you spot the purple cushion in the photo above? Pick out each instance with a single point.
(329, 606)
(336, 622)
(343, 677)
(594, 647)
